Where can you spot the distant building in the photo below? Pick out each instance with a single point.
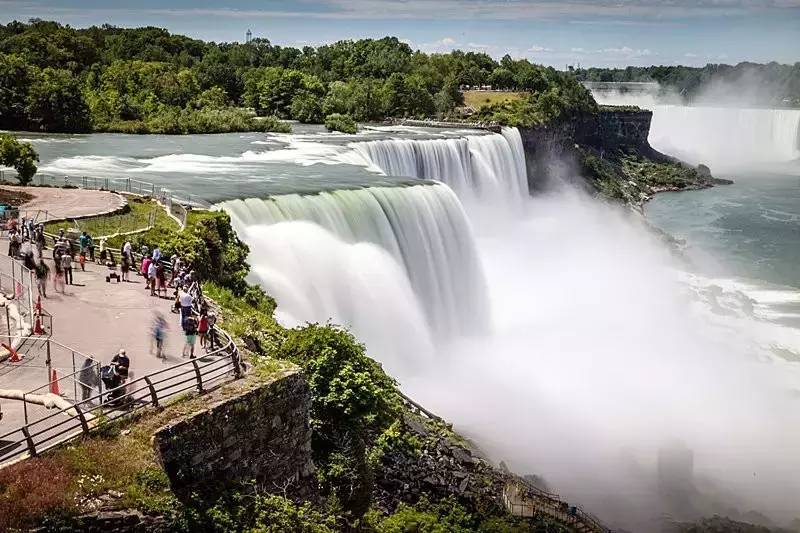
(248, 36)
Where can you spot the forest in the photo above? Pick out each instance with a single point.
(56, 78)
(771, 84)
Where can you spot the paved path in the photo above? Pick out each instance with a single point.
(96, 318)
(66, 203)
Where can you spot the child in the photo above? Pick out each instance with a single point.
(202, 328)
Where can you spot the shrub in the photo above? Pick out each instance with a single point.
(258, 512)
(19, 155)
(31, 489)
(339, 122)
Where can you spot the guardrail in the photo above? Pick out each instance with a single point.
(153, 389)
(176, 205)
(525, 500)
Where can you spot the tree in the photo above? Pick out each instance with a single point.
(20, 156)
(16, 76)
(55, 102)
(501, 78)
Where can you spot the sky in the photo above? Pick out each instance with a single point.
(569, 32)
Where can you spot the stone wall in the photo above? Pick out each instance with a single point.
(261, 435)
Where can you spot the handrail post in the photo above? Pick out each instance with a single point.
(199, 376)
(31, 445)
(153, 395)
(82, 417)
(25, 407)
(237, 368)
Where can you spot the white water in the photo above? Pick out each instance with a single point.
(478, 167)
(727, 137)
(418, 239)
(598, 353)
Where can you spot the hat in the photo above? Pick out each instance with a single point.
(122, 351)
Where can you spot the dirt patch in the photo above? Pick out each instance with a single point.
(13, 196)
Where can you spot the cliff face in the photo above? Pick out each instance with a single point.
(607, 153)
(550, 151)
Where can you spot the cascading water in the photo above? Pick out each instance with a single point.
(484, 167)
(727, 135)
(421, 229)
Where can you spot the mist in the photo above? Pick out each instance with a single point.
(719, 129)
(600, 358)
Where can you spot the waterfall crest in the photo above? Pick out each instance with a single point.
(484, 167)
(422, 228)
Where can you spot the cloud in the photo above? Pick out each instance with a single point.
(628, 11)
(539, 49)
(624, 52)
(690, 54)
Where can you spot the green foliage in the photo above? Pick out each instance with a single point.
(257, 513)
(563, 98)
(339, 122)
(396, 439)
(19, 155)
(145, 80)
(776, 84)
(351, 397)
(351, 391)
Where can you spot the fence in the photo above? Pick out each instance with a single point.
(176, 205)
(525, 500)
(74, 419)
(18, 284)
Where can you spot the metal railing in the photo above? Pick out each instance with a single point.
(176, 205)
(153, 389)
(525, 500)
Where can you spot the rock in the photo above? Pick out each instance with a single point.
(461, 455)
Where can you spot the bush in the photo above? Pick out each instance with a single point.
(258, 513)
(31, 489)
(339, 122)
(19, 155)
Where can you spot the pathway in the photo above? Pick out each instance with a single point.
(66, 203)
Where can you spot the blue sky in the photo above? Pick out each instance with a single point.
(592, 33)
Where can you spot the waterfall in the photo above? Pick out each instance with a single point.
(727, 135)
(482, 167)
(326, 255)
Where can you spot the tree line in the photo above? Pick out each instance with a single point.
(770, 84)
(61, 79)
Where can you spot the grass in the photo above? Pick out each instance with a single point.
(478, 99)
(136, 217)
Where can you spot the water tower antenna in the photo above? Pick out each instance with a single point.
(248, 36)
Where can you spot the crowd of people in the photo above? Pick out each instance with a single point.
(27, 243)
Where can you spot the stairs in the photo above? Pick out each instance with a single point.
(524, 500)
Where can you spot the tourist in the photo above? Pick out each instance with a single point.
(212, 339)
(29, 261)
(83, 243)
(202, 327)
(66, 265)
(190, 330)
(127, 250)
(145, 266)
(145, 251)
(11, 225)
(88, 379)
(159, 332)
(151, 277)
(185, 300)
(31, 228)
(23, 226)
(115, 374)
(61, 234)
(59, 278)
(125, 266)
(157, 254)
(90, 245)
(14, 243)
(40, 240)
(161, 278)
(42, 272)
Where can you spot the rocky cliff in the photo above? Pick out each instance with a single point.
(607, 152)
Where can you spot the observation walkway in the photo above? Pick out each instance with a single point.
(83, 328)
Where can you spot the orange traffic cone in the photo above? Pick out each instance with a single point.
(54, 384)
(37, 326)
(15, 357)
(38, 306)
